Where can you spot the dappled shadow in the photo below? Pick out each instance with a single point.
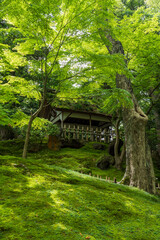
(50, 203)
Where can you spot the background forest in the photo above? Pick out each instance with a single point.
(92, 55)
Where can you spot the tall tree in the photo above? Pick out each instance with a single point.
(49, 30)
(139, 170)
(112, 65)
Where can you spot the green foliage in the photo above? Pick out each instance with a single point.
(52, 129)
(11, 147)
(153, 4)
(83, 103)
(62, 46)
(41, 128)
(133, 4)
(117, 99)
(4, 116)
(65, 38)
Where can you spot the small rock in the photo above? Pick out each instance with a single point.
(104, 162)
(99, 146)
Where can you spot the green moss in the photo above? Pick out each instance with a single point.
(46, 197)
(51, 202)
(125, 181)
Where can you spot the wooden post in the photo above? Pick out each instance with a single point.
(78, 132)
(90, 122)
(91, 134)
(104, 132)
(62, 125)
(100, 134)
(87, 133)
(96, 132)
(97, 176)
(115, 181)
(109, 134)
(74, 132)
(106, 178)
(69, 132)
(89, 174)
(100, 177)
(82, 133)
(64, 131)
(109, 179)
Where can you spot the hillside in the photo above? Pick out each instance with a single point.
(45, 197)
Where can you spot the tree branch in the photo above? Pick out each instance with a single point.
(153, 90)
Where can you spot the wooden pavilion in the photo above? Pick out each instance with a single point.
(82, 125)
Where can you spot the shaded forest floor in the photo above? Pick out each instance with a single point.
(45, 197)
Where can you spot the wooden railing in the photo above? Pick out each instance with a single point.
(85, 133)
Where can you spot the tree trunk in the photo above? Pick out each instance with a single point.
(118, 157)
(139, 169)
(33, 116)
(25, 148)
(155, 96)
(156, 111)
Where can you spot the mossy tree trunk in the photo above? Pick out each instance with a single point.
(139, 169)
(157, 120)
(155, 98)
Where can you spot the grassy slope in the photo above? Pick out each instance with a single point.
(43, 199)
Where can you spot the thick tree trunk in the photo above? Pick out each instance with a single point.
(139, 169)
(157, 120)
(140, 172)
(156, 112)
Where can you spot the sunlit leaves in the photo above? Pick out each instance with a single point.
(23, 87)
(14, 59)
(26, 47)
(62, 38)
(20, 119)
(117, 99)
(154, 5)
(4, 116)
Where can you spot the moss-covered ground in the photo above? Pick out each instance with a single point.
(46, 198)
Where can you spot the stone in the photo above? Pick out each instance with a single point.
(104, 162)
(99, 146)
